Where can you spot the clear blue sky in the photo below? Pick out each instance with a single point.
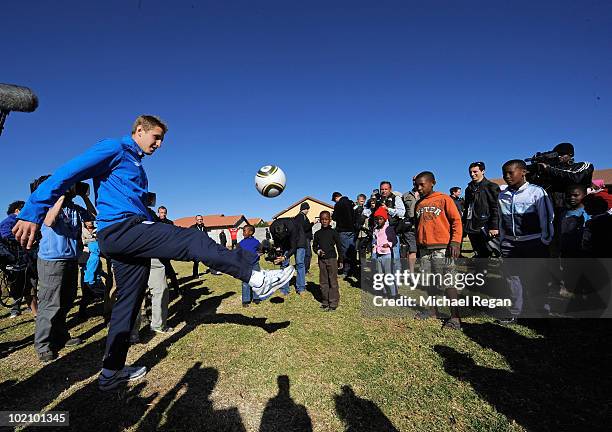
(339, 94)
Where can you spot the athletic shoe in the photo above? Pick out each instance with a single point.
(163, 329)
(273, 280)
(134, 339)
(73, 342)
(15, 314)
(47, 356)
(110, 379)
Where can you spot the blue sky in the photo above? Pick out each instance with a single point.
(339, 94)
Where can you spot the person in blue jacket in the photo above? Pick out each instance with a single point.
(130, 238)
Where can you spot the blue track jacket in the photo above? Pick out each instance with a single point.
(120, 183)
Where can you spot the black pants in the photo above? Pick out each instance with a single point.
(479, 245)
(131, 244)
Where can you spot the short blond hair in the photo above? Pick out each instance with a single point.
(148, 122)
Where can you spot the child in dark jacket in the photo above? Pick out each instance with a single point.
(326, 244)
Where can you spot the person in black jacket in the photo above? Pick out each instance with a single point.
(302, 220)
(480, 210)
(199, 225)
(162, 216)
(344, 217)
(556, 177)
(222, 239)
(288, 238)
(326, 242)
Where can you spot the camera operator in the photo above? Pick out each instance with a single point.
(24, 285)
(560, 172)
(408, 238)
(288, 238)
(395, 208)
(481, 210)
(555, 175)
(363, 240)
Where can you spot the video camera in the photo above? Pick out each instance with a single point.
(270, 252)
(151, 199)
(533, 169)
(77, 189)
(377, 200)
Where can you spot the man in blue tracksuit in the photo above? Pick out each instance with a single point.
(130, 238)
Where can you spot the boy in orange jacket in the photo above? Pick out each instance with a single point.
(438, 237)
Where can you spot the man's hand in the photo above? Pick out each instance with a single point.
(453, 251)
(279, 260)
(494, 233)
(25, 233)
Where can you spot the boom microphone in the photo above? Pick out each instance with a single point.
(15, 98)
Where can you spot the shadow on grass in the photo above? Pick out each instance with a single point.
(193, 392)
(187, 406)
(360, 415)
(283, 414)
(557, 382)
(209, 314)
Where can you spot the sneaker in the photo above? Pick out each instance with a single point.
(506, 321)
(329, 309)
(47, 356)
(452, 324)
(273, 280)
(110, 379)
(324, 306)
(245, 305)
(15, 314)
(165, 329)
(134, 339)
(73, 342)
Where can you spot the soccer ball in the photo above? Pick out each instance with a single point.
(270, 181)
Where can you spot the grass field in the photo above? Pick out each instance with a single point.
(285, 365)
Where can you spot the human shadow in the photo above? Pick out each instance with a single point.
(188, 406)
(205, 312)
(282, 414)
(315, 290)
(359, 414)
(554, 383)
(9, 347)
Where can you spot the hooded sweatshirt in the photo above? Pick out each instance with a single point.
(438, 222)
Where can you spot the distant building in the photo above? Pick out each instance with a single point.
(216, 223)
(316, 207)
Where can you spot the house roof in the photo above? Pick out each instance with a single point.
(212, 221)
(323, 203)
(254, 221)
(605, 174)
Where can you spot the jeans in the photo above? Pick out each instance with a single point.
(347, 241)
(516, 276)
(384, 265)
(285, 288)
(247, 292)
(93, 262)
(300, 282)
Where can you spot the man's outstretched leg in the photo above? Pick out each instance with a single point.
(132, 244)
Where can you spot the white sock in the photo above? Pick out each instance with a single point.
(257, 279)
